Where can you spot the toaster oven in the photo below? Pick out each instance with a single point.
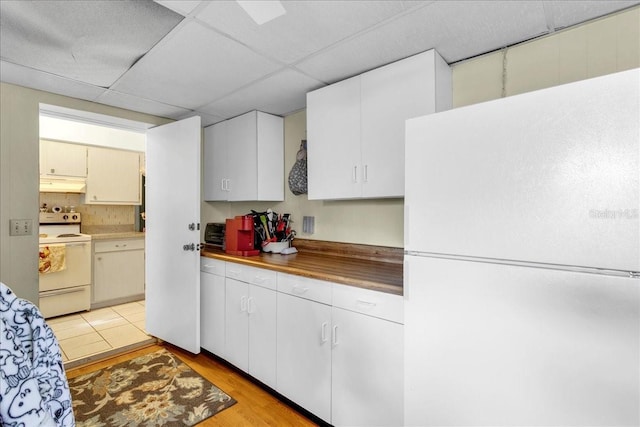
(214, 234)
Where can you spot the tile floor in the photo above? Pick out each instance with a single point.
(103, 330)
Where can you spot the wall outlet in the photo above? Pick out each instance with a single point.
(20, 227)
(308, 224)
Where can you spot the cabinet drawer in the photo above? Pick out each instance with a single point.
(253, 275)
(65, 301)
(304, 287)
(372, 303)
(213, 266)
(119, 245)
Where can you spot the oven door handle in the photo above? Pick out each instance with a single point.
(61, 292)
(75, 244)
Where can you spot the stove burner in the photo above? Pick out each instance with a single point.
(68, 235)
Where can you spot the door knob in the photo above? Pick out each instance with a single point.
(189, 247)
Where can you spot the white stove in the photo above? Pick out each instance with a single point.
(64, 264)
(61, 228)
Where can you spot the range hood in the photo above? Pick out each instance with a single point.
(63, 185)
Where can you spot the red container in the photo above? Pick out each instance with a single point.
(239, 235)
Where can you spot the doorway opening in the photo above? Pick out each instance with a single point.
(115, 321)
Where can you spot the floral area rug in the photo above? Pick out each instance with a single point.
(155, 389)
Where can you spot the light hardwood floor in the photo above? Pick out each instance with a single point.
(255, 407)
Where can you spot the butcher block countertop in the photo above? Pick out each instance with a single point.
(371, 267)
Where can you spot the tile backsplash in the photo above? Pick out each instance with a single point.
(99, 218)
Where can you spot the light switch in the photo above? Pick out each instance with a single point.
(20, 227)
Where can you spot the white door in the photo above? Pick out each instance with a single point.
(488, 344)
(172, 226)
(236, 341)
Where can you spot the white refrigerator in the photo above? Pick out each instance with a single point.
(522, 260)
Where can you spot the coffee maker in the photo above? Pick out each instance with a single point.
(239, 234)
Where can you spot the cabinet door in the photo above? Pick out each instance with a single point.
(118, 275)
(261, 307)
(212, 313)
(215, 162)
(389, 96)
(270, 147)
(367, 361)
(242, 157)
(333, 146)
(236, 323)
(61, 159)
(113, 176)
(304, 353)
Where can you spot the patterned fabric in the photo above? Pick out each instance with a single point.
(33, 385)
(156, 389)
(298, 173)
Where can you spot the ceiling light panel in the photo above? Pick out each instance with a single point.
(262, 11)
(192, 67)
(89, 41)
(307, 27)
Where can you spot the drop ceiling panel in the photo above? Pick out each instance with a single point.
(122, 100)
(183, 7)
(307, 26)
(193, 66)
(458, 30)
(28, 77)
(88, 41)
(205, 119)
(568, 13)
(278, 94)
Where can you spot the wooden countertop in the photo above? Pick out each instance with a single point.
(384, 275)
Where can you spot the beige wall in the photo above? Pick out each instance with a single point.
(19, 197)
(600, 47)
(594, 49)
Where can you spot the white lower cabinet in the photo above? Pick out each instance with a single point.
(250, 325)
(212, 305)
(335, 350)
(304, 353)
(118, 271)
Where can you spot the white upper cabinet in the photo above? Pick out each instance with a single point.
(356, 127)
(244, 159)
(333, 144)
(113, 177)
(62, 159)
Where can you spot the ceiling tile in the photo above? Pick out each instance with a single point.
(193, 66)
(459, 29)
(35, 79)
(307, 26)
(122, 100)
(278, 94)
(90, 41)
(568, 13)
(205, 119)
(183, 7)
